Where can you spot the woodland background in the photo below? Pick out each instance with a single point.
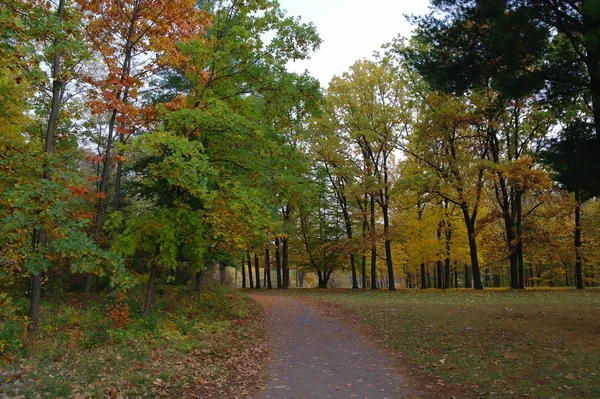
(145, 142)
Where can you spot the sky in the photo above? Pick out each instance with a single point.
(350, 30)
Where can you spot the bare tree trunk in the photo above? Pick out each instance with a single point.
(578, 262)
(285, 263)
(373, 247)
(243, 273)
(268, 268)
(388, 250)
(250, 269)
(257, 271)
(278, 263)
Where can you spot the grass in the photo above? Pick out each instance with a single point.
(188, 345)
(495, 343)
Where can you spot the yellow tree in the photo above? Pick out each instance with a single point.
(369, 110)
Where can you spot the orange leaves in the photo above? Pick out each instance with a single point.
(85, 215)
(86, 192)
(176, 104)
(79, 191)
(119, 158)
(95, 159)
(119, 312)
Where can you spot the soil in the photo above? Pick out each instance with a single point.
(314, 355)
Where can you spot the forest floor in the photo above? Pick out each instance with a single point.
(449, 344)
(190, 347)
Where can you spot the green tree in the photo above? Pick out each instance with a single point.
(576, 173)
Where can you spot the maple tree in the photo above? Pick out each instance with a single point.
(134, 40)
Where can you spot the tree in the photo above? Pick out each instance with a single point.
(368, 109)
(451, 147)
(134, 39)
(320, 230)
(171, 176)
(576, 173)
(519, 48)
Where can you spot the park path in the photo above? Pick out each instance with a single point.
(315, 356)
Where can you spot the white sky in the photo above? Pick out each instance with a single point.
(350, 30)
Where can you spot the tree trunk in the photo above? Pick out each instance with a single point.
(373, 247)
(447, 267)
(150, 291)
(388, 249)
(243, 273)
(249, 269)
(470, 224)
(268, 268)
(439, 274)
(222, 274)
(284, 263)
(423, 276)
(513, 257)
(354, 275)
(320, 279)
(578, 263)
(363, 271)
(278, 263)
(257, 270)
(521, 262)
(36, 299)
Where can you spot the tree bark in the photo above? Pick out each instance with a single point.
(470, 224)
(447, 267)
(249, 269)
(578, 262)
(363, 271)
(243, 273)
(257, 270)
(388, 249)
(373, 247)
(278, 263)
(423, 276)
(268, 268)
(284, 263)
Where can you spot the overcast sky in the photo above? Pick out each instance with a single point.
(350, 30)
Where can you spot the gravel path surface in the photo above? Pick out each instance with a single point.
(315, 356)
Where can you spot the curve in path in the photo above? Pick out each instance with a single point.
(315, 356)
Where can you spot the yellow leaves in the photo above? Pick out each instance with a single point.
(521, 174)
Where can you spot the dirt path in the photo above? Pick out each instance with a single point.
(315, 356)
